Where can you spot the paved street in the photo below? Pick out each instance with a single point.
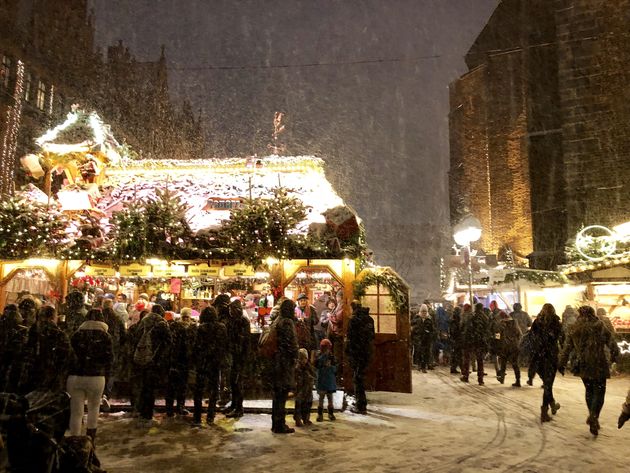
(444, 426)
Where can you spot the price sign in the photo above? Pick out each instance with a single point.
(203, 270)
(102, 271)
(135, 269)
(238, 270)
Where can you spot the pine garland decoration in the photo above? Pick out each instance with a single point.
(397, 290)
(261, 227)
(29, 229)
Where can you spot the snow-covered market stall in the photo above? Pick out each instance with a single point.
(182, 232)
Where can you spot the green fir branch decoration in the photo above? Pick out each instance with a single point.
(397, 289)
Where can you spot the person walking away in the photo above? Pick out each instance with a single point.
(222, 305)
(46, 355)
(307, 319)
(130, 371)
(424, 334)
(546, 333)
(588, 338)
(283, 366)
(522, 318)
(151, 357)
(326, 379)
(359, 350)
(443, 344)
(238, 329)
(495, 330)
(92, 363)
(75, 312)
(183, 333)
(475, 342)
(118, 333)
(13, 336)
(510, 338)
(455, 334)
(209, 353)
(304, 378)
(625, 412)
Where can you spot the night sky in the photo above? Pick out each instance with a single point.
(375, 108)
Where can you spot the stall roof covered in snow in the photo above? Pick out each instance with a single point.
(211, 188)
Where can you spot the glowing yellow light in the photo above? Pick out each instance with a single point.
(271, 261)
(156, 262)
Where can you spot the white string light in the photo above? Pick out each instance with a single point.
(9, 141)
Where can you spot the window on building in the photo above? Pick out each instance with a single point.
(5, 71)
(382, 308)
(28, 87)
(41, 95)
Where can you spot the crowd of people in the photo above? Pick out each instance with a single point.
(90, 347)
(467, 337)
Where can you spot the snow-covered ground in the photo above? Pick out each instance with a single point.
(444, 426)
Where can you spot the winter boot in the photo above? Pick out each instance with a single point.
(331, 414)
(623, 418)
(298, 422)
(464, 379)
(544, 414)
(555, 406)
(91, 433)
(530, 382)
(517, 384)
(320, 414)
(593, 424)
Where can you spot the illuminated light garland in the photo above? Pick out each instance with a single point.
(51, 98)
(50, 135)
(10, 139)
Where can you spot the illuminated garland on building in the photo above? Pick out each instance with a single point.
(10, 139)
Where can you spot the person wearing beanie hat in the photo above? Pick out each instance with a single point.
(304, 378)
(359, 351)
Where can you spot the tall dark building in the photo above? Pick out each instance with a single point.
(540, 145)
(48, 62)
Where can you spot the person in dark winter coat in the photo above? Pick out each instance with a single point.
(75, 312)
(46, 355)
(28, 308)
(326, 366)
(283, 366)
(510, 338)
(423, 333)
(209, 353)
(475, 342)
(13, 337)
(118, 333)
(304, 378)
(494, 345)
(238, 328)
(131, 372)
(183, 333)
(443, 343)
(625, 412)
(92, 363)
(522, 318)
(455, 334)
(150, 374)
(307, 320)
(222, 305)
(359, 350)
(588, 338)
(546, 334)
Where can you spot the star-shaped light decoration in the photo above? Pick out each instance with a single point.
(624, 347)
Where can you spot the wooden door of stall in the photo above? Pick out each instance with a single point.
(390, 367)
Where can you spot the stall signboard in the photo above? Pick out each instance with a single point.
(238, 270)
(203, 270)
(102, 271)
(135, 269)
(170, 271)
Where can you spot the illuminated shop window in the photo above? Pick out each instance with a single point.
(5, 71)
(41, 95)
(382, 308)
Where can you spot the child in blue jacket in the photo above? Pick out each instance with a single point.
(326, 366)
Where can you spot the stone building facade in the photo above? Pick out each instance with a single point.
(540, 145)
(48, 61)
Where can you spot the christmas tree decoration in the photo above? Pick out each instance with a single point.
(261, 227)
(129, 233)
(167, 230)
(29, 229)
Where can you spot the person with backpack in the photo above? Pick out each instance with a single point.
(151, 357)
(283, 365)
(359, 350)
(508, 347)
(92, 363)
(209, 352)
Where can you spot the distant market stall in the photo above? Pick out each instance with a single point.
(185, 231)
